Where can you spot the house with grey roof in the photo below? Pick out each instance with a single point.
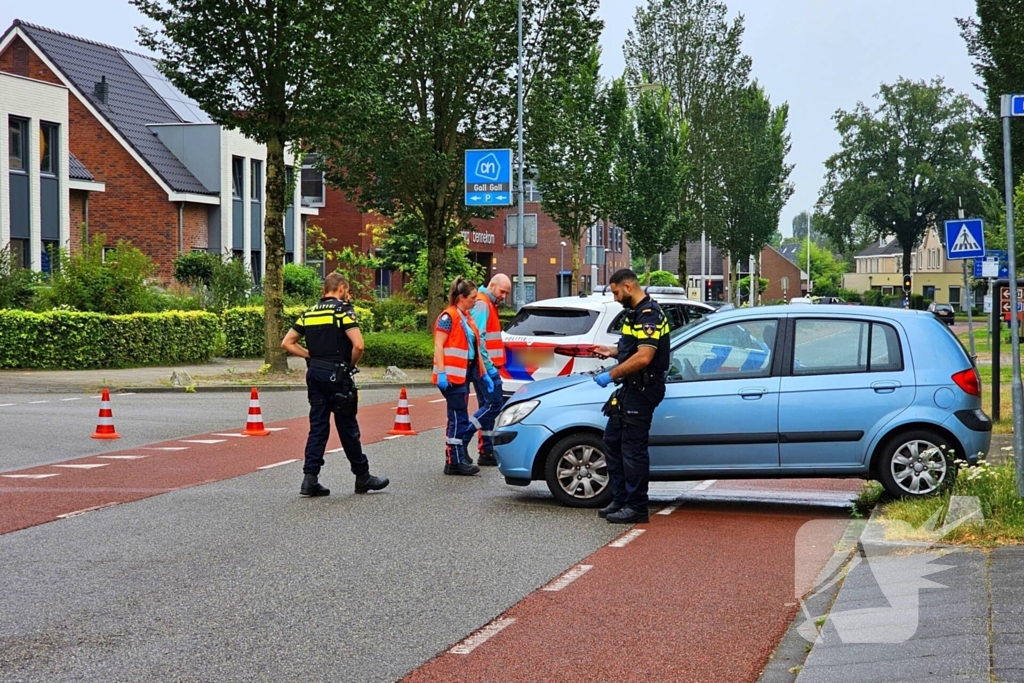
(100, 142)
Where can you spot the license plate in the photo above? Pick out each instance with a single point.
(536, 358)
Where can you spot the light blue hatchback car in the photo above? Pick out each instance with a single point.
(771, 392)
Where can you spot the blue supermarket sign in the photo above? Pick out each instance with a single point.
(488, 177)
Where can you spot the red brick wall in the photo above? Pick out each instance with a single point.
(21, 60)
(775, 266)
(76, 206)
(196, 226)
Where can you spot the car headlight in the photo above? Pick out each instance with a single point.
(516, 413)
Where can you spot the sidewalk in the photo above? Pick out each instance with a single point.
(222, 374)
(902, 613)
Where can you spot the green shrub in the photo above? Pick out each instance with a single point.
(243, 328)
(112, 282)
(663, 278)
(872, 297)
(388, 312)
(74, 341)
(196, 269)
(302, 285)
(17, 284)
(851, 295)
(405, 350)
(230, 285)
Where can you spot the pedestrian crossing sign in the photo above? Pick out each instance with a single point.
(965, 238)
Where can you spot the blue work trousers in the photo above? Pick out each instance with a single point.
(626, 440)
(460, 426)
(490, 404)
(321, 392)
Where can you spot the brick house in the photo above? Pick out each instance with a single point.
(123, 153)
(775, 267)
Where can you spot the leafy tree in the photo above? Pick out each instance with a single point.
(302, 286)
(661, 278)
(755, 190)
(400, 242)
(744, 285)
(995, 40)
(649, 173)
(826, 272)
(274, 70)
(573, 133)
(692, 48)
(458, 264)
(902, 166)
(358, 268)
(448, 87)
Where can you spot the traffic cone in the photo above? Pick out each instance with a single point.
(403, 424)
(254, 425)
(105, 427)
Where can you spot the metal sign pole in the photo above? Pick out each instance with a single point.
(521, 284)
(1018, 392)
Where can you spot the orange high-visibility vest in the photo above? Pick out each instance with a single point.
(492, 335)
(456, 348)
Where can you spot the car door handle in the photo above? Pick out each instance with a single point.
(885, 387)
(752, 393)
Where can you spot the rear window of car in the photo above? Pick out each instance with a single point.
(552, 322)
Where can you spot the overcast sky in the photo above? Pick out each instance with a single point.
(817, 55)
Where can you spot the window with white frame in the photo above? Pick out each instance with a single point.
(313, 190)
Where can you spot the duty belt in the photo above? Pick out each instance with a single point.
(327, 365)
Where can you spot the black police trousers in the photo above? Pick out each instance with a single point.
(626, 445)
(321, 392)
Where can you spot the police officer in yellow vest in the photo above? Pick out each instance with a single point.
(490, 401)
(334, 345)
(643, 355)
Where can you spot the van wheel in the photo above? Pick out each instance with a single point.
(916, 463)
(577, 473)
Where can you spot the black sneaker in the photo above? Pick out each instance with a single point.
(311, 487)
(464, 469)
(610, 510)
(368, 482)
(628, 515)
(487, 460)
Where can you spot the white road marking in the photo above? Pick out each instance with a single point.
(705, 485)
(336, 450)
(28, 476)
(207, 441)
(166, 448)
(79, 398)
(35, 402)
(128, 393)
(440, 400)
(239, 436)
(275, 429)
(482, 636)
(669, 510)
(82, 512)
(568, 577)
(393, 436)
(4, 405)
(84, 466)
(626, 538)
(122, 457)
(278, 464)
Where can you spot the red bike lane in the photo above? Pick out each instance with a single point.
(42, 494)
(703, 594)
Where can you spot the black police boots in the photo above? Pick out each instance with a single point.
(368, 482)
(311, 487)
(462, 468)
(612, 508)
(487, 460)
(628, 515)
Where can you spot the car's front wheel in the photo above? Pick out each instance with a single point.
(577, 473)
(915, 463)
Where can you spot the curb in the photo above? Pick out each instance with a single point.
(872, 541)
(262, 387)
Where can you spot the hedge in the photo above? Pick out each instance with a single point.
(243, 328)
(404, 349)
(71, 340)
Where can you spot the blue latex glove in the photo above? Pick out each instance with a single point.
(493, 373)
(489, 383)
(442, 380)
(604, 379)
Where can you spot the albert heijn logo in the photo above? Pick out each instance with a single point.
(965, 238)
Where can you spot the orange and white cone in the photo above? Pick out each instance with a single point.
(105, 427)
(403, 423)
(254, 425)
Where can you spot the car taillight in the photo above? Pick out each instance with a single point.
(576, 350)
(968, 381)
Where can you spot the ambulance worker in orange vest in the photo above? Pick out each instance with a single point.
(485, 315)
(460, 359)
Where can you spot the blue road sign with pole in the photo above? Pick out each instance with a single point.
(488, 177)
(965, 238)
(996, 256)
(1017, 105)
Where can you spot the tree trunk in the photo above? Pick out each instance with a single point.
(684, 276)
(907, 251)
(437, 258)
(273, 280)
(574, 287)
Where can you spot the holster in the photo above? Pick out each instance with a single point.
(346, 401)
(613, 406)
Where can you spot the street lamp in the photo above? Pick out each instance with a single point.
(810, 222)
(561, 270)
(606, 252)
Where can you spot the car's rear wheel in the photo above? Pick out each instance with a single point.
(916, 463)
(576, 471)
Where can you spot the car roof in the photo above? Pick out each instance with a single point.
(829, 311)
(600, 300)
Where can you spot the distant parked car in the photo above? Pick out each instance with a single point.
(943, 312)
(770, 392)
(831, 300)
(801, 300)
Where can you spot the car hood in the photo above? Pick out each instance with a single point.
(546, 386)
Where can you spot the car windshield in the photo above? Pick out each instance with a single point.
(552, 322)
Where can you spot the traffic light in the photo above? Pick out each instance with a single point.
(908, 282)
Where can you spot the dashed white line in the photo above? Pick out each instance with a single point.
(4, 405)
(336, 450)
(275, 429)
(85, 510)
(166, 448)
(84, 465)
(482, 636)
(238, 436)
(35, 402)
(393, 436)
(626, 538)
(123, 457)
(127, 393)
(28, 476)
(77, 398)
(669, 510)
(568, 577)
(705, 485)
(206, 441)
(440, 400)
(278, 464)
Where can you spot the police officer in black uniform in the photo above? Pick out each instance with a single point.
(335, 345)
(643, 355)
